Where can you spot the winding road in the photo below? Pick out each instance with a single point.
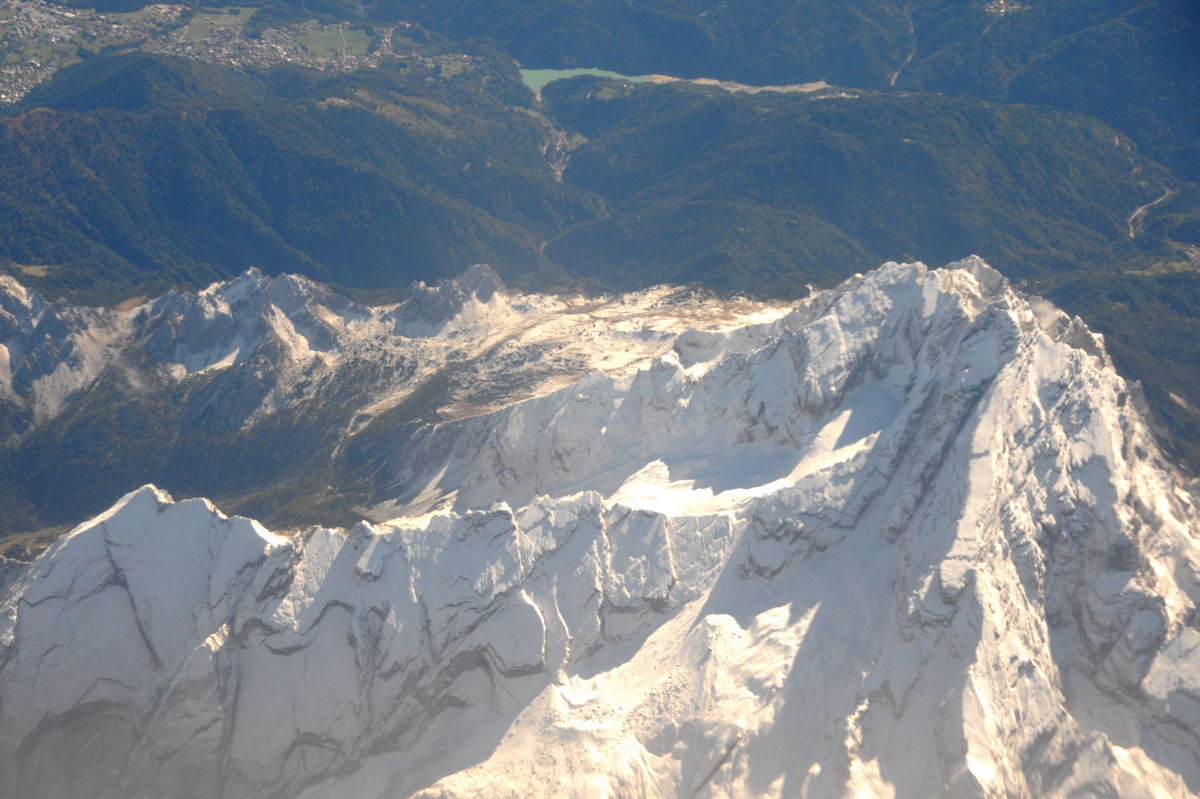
(1135, 219)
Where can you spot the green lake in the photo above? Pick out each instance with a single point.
(537, 78)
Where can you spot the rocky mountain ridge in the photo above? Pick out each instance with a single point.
(199, 389)
(911, 537)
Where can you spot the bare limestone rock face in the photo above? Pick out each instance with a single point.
(911, 537)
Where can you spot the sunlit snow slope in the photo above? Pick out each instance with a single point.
(910, 538)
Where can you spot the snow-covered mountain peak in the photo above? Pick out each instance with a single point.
(908, 537)
(287, 318)
(474, 304)
(760, 404)
(436, 305)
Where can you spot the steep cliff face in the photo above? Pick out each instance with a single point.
(911, 537)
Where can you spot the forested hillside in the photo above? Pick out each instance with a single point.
(136, 171)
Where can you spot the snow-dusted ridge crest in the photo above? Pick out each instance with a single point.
(910, 538)
(294, 333)
(287, 384)
(51, 351)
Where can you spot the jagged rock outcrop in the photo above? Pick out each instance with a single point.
(910, 538)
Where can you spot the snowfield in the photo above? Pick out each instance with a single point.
(910, 537)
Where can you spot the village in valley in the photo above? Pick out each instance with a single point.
(37, 38)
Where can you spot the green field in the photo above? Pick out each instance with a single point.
(132, 17)
(328, 41)
(207, 20)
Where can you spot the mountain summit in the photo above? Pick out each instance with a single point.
(910, 537)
